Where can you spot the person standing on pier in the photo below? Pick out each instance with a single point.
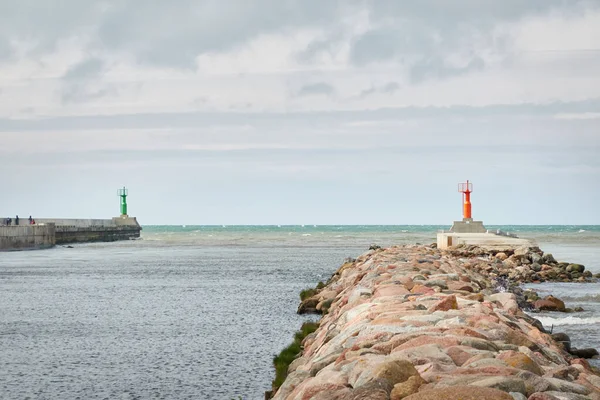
(17, 220)
(30, 220)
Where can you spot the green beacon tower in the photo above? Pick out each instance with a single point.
(123, 195)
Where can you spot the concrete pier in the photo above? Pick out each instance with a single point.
(488, 241)
(27, 237)
(94, 230)
(47, 232)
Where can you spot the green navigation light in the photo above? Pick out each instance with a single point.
(123, 194)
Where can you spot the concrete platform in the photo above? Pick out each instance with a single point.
(489, 241)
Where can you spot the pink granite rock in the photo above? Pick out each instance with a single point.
(447, 303)
(461, 393)
(392, 309)
(519, 360)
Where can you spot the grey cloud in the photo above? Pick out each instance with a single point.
(320, 88)
(384, 44)
(86, 69)
(165, 33)
(81, 92)
(195, 119)
(240, 106)
(5, 49)
(79, 83)
(43, 23)
(450, 13)
(422, 49)
(422, 35)
(435, 67)
(388, 88)
(200, 101)
(174, 36)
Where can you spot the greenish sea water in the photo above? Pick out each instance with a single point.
(331, 235)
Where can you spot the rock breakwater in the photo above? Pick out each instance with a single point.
(418, 323)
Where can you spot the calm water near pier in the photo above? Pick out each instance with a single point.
(199, 312)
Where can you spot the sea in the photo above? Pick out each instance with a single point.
(199, 312)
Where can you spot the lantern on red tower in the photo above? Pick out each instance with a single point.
(466, 189)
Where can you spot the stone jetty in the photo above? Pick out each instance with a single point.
(419, 323)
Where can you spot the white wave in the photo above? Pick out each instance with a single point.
(586, 297)
(549, 321)
(306, 234)
(581, 230)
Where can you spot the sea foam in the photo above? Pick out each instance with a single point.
(549, 321)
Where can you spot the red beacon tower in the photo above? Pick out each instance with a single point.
(467, 225)
(466, 189)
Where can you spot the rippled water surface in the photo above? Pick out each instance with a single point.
(129, 321)
(191, 312)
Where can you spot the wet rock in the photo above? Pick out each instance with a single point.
(549, 303)
(575, 268)
(564, 340)
(309, 306)
(535, 258)
(461, 393)
(536, 267)
(584, 353)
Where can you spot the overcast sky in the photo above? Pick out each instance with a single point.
(301, 111)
